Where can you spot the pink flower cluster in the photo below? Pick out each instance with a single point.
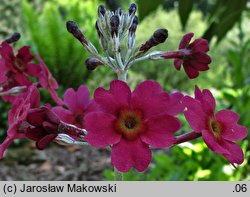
(16, 71)
(26, 118)
(129, 122)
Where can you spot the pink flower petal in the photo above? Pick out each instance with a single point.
(178, 63)
(3, 71)
(200, 45)
(208, 102)
(33, 70)
(202, 67)
(33, 97)
(213, 144)
(112, 100)
(201, 58)
(43, 143)
(128, 154)
(7, 52)
(21, 79)
(70, 99)
(121, 92)
(186, 40)
(100, 127)
(24, 54)
(64, 114)
(235, 155)
(83, 97)
(195, 115)
(231, 130)
(175, 105)
(36, 116)
(35, 133)
(150, 98)
(190, 71)
(106, 101)
(235, 133)
(4, 145)
(197, 93)
(160, 131)
(227, 117)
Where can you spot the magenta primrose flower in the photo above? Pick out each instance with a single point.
(219, 131)
(17, 116)
(193, 56)
(130, 122)
(21, 62)
(77, 105)
(15, 69)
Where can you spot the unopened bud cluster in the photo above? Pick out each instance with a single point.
(112, 29)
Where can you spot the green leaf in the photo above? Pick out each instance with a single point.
(145, 7)
(225, 14)
(184, 9)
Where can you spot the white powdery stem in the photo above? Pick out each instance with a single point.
(64, 139)
(13, 91)
(122, 75)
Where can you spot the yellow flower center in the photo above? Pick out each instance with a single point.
(216, 128)
(130, 123)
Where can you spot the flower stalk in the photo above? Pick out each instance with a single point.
(187, 137)
(118, 176)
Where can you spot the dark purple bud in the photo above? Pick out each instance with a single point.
(15, 37)
(114, 23)
(101, 10)
(132, 9)
(98, 30)
(91, 63)
(158, 37)
(133, 27)
(119, 11)
(74, 29)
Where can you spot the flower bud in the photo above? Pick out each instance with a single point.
(119, 11)
(74, 29)
(101, 10)
(15, 37)
(132, 9)
(158, 37)
(98, 30)
(91, 63)
(133, 26)
(114, 23)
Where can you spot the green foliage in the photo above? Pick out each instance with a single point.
(62, 53)
(185, 7)
(224, 15)
(145, 7)
(237, 93)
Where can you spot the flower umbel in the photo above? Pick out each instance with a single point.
(130, 122)
(219, 131)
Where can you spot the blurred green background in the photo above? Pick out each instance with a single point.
(224, 23)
